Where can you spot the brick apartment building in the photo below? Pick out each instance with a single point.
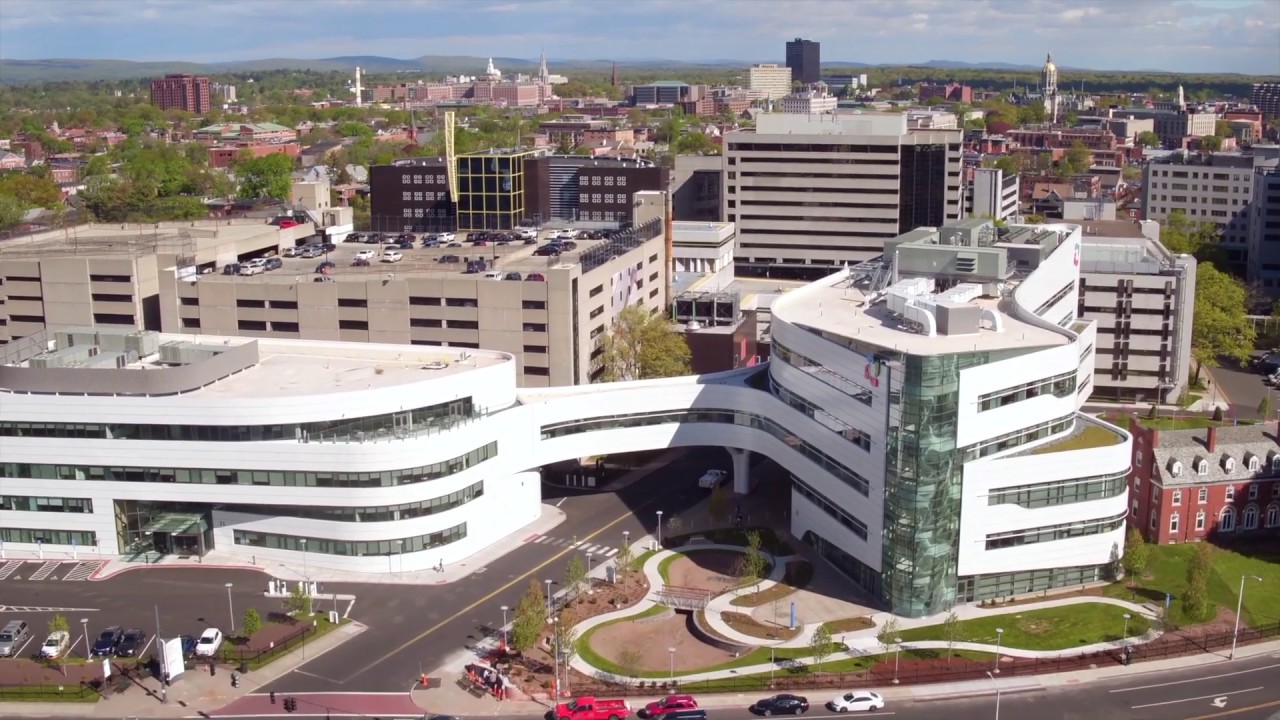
(1217, 483)
(181, 92)
(951, 92)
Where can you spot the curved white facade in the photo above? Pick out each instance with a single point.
(835, 408)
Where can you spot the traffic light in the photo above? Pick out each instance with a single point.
(290, 704)
(273, 697)
(235, 680)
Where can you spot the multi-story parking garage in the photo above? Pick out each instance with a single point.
(926, 407)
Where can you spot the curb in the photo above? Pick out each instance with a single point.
(98, 576)
(942, 697)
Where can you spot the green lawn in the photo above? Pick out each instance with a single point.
(1057, 628)
(1091, 436)
(69, 693)
(1168, 574)
(842, 665)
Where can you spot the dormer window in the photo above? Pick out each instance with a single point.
(1229, 464)
(1231, 493)
(1202, 466)
(1275, 461)
(1175, 468)
(1252, 462)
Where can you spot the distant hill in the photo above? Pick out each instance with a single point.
(14, 72)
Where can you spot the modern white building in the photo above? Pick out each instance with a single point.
(992, 194)
(771, 79)
(927, 409)
(810, 102)
(704, 248)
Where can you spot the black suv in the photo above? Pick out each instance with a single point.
(133, 643)
(107, 642)
(781, 705)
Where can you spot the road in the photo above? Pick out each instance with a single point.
(414, 629)
(1243, 388)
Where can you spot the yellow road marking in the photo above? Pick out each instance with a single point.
(491, 595)
(1237, 711)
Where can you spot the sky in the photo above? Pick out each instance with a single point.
(1177, 35)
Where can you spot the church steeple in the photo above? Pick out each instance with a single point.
(543, 74)
(1049, 88)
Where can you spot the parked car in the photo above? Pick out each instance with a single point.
(696, 714)
(328, 247)
(480, 243)
(526, 233)
(593, 708)
(273, 263)
(360, 262)
(13, 637)
(857, 701)
(535, 277)
(453, 245)
(132, 644)
(188, 645)
(449, 259)
(231, 269)
(667, 704)
(287, 223)
(355, 237)
(365, 255)
(209, 642)
(392, 256)
(291, 251)
(311, 251)
(512, 276)
(56, 644)
(107, 641)
(548, 251)
(569, 245)
(493, 275)
(325, 266)
(781, 705)
(531, 240)
(252, 269)
(444, 237)
(713, 479)
(323, 278)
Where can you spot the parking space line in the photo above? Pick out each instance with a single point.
(143, 651)
(1202, 697)
(45, 571)
(9, 568)
(1198, 679)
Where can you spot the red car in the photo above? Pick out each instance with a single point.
(668, 704)
(593, 708)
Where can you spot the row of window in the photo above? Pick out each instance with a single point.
(1203, 495)
(842, 473)
(1201, 466)
(1002, 585)
(427, 196)
(855, 390)
(855, 525)
(1061, 386)
(23, 503)
(80, 538)
(276, 478)
(1061, 492)
(419, 179)
(423, 213)
(822, 417)
(1049, 533)
(386, 513)
(1226, 519)
(607, 198)
(1066, 290)
(352, 548)
(1017, 438)
(438, 415)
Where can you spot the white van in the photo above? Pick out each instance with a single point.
(493, 275)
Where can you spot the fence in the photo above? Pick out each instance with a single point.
(80, 691)
(237, 656)
(791, 676)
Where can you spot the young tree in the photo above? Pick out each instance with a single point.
(11, 212)
(1195, 598)
(641, 345)
(269, 176)
(1078, 158)
(251, 623)
(753, 563)
(1137, 556)
(299, 600)
(952, 632)
(629, 661)
(821, 644)
(674, 525)
(888, 632)
(1264, 407)
(624, 560)
(530, 618)
(58, 623)
(1148, 139)
(1210, 143)
(575, 573)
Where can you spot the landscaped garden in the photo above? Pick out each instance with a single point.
(1056, 628)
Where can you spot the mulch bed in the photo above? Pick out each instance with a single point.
(270, 635)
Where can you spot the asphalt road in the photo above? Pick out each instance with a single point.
(1243, 388)
(415, 629)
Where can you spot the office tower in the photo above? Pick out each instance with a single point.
(804, 59)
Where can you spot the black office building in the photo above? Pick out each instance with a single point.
(804, 59)
(411, 196)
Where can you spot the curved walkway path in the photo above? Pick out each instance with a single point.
(859, 643)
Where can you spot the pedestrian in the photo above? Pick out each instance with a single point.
(440, 567)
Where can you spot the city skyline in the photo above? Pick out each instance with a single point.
(1235, 36)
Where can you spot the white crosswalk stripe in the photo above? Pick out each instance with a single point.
(45, 571)
(9, 568)
(612, 552)
(82, 571)
(581, 546)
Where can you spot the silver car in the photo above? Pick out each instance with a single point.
(14, 635)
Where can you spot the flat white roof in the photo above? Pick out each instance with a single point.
(832, 305)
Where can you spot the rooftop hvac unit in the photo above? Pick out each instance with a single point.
(109, 360)
(76, 336)
(66, 357)
(112, 339)
(186, 353)
(142, 344)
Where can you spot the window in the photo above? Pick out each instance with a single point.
(352, 548)
(1229, 465)
(1231, 493)
(1227, 520)
(1174, 521)
(1155, 517)
(1060, 532)
(1273, 515)
(1202, 466)
(622, 181)
(1253, 491)
(353, 325)
(535, 349)
(1275, 489)
(858, 527)
(81, 538)
(22, 503)
(1253, 462)
(533, 305)
(1177, 497)
(1155, 494)
(1250, 518)
(1203, 496)
(535, 327)
(1200, 520)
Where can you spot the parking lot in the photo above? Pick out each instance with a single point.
(183, 601)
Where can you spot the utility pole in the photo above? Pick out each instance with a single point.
(164, 671)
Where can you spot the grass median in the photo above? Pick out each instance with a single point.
(1055, 628)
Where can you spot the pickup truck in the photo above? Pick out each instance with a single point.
(593, 708)
(713, 479)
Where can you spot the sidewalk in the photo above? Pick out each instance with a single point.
(194, 692)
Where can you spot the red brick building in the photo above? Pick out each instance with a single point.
(1219, 483)
(951, 92)
(181, 92)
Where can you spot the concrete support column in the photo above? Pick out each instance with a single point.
(741, 470)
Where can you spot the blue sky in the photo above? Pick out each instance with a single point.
(1178, 35)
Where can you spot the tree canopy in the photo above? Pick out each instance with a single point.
(641, 345)
(1181, 235)
(268, 176)
(31, 190)
(1221, 328)
(1148, 139)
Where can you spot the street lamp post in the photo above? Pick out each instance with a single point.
(555, 634)
(626, 538)
(773, 663)
(305, 578)
(84, 625)
(672, 653)
(897, 653)
(231, 609)
(504, 627)
(1235, 634)
(590, 590)
(1127, 616)
(997, 686)
(659, 531)
(400, 552)
(548, 598)
(999, 635)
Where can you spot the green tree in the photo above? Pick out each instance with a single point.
(888, 633)
(251, 624)
(1148, 139)
(575, 573)
(1210, 143)
(530, 617)
(753, 564)
(31, 190)
(1220, 327)
(1222, 128)
(694, 142)
(641, 345)
(821, 644)
(1264, 407)
(300, 600)
(11, 212)
(1078, 158)
(269, 176)
(1181, 235)
(353, 129)
(1137, 556)
(1008, 164)
(719, 504)
(624, 561)
(952, 632)
(58, 623)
